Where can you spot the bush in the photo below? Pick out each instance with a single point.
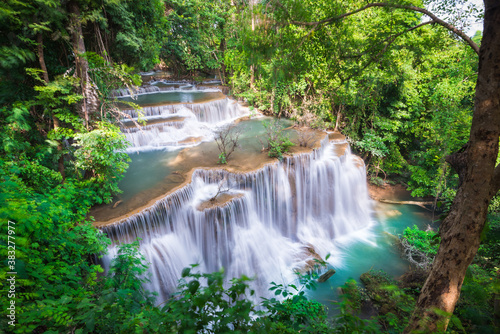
(420, 247)
(278, 142)
(100, 157)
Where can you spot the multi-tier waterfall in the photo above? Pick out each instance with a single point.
(179, 125)
(266, 227)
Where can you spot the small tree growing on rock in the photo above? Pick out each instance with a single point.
(222, 188)
(227, 141)
(277, 141)
(306, 138)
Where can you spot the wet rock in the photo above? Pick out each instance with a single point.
(312, 260)
(386, 295)
(218, 201)
(394, 239)
(393, 213)
(323, 278)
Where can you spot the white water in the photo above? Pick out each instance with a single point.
(200, 121)
(140, 90)
(156, 87)
(317, 199)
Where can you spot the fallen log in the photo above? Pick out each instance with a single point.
(421, 204)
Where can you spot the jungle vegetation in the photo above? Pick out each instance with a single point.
(417, 98)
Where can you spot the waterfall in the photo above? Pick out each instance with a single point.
(210, 112)
(166, 86)
(199, 122)
(141, 90)
(265, 226)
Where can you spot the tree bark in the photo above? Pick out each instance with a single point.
(41, 59)
(461, 230)
(89, 103)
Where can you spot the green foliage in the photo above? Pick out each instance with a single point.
(108, 77)
(209, 308)
(99, 155)
(487, 254)
(119, 304)
(348, 321)
(222, 158)
(54, 246)
(425, 241)
(296, 313)
(139, 29)
(395, 305)
(475, 307)
(404, 105)
(278, 142)
(197, 39)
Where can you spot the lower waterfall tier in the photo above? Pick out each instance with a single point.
(264, 228)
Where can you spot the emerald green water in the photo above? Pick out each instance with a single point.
(372, 249)
(145, 171)
(148, 168)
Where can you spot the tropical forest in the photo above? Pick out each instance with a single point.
(249, 166)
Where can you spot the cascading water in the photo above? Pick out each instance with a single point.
(211, 112)
(163, 86)
(265, 228)
(141, 90)
(198, 121)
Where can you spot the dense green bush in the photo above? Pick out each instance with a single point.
(278, 142)
(425, 241)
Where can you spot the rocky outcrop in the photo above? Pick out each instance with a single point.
(311, 259)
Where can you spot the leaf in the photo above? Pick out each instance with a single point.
(185, 272)
(193, 286)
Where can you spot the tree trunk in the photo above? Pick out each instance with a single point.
(89, 103)
(479, 181)
(41, 59)
(338, 117)
(252, 67)
(222, 70)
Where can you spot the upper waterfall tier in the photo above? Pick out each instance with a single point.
(272, 216)
(210, 112)
(198, 123)
(164, 86)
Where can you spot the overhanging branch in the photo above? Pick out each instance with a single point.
(318, 24)
(389, 40)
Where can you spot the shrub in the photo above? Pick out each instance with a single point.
(277, 141)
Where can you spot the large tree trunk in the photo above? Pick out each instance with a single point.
(90, 102)
(479, 181)
(41, 59)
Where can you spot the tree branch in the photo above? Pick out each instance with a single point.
(318, 24)
(389, 40)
